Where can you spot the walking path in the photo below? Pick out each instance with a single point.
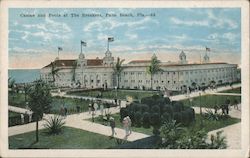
(19, 110)
(79, 121)
(198, 93)
(228, 94)
(233, 135)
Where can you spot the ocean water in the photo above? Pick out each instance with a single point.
(24, 75)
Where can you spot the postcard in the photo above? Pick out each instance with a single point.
(124, 79)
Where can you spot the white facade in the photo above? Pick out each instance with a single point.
(98, 73)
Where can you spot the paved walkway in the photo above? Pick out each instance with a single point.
(227, 94)
(19, 110)
(198, 93)
(79, 121)
(233, 135)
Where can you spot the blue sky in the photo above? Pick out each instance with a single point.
(167, 33)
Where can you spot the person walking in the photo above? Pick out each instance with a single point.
(129, 125)
(62, 111)
(125, 126)
(120, 103)
(112, 125)
(90, 109)
(95, 107)
(78, 109)
(65, 111)
(22, 119)
(101, 109)
(236, 106)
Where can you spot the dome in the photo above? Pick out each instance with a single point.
(81, 56)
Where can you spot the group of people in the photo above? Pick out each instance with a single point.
(226, 106)
(126, 125)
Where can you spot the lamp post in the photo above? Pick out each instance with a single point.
(200, 110)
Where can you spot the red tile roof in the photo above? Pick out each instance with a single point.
(70, 63)
(59, 63)
(94, 62)
(139, 61)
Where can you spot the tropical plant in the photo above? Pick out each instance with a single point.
(74, 71)
(12, 86)
(153, 68)
(54, 71)
(218, 141)
(26, 89)
(194, 85)
(117, 70)
(54, 124)
(171, 132)
(39, 101)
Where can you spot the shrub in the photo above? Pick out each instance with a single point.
(144, 108)
(123, 113)
(177, 117)
(138, 118)
(155, 121)
(155, 109)
(168, 109)
(146, 120)
(54, 124)
(178, 107)
(166, 117)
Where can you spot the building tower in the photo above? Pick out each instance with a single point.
(183, 58)
(81, 61)
(108, 60)
(206, 58)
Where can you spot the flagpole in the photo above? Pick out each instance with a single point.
(108, 45)
(81, 46)
(58, 53)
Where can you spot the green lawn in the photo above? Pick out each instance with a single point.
(208, 125)
(111, 94)
(236, 90)
(71, 138)
(210, 100)
(57, 102)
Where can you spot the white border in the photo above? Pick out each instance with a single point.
(4, 152)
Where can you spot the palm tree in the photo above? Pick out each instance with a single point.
(118, 69)
(193, 85)
(153, 68)
(12, 86)
(39, 101)
(26, 89)
(54, 71)
(74, 71)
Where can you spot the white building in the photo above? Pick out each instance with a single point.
(99, 73)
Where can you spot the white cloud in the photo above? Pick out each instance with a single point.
(189, 22)
(229, 36)
(221, 21)
(108, 24)
(48, 31)
(131, 36)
